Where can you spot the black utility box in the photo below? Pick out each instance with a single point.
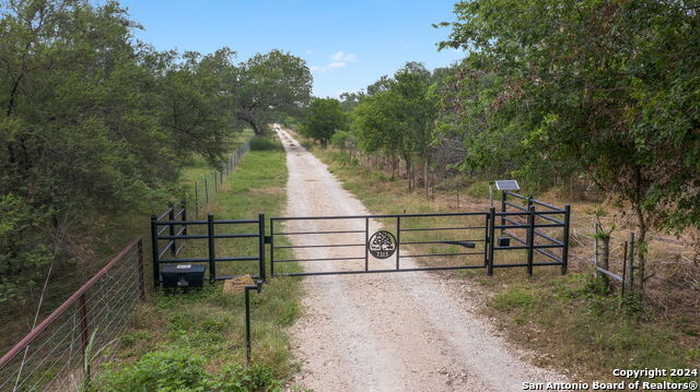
(182, 275)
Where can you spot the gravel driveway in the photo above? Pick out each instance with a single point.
(411, 331)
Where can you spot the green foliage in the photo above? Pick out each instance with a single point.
(553, 88)
(160, 371)
(323, 118)
(264, 143)
(269, 87)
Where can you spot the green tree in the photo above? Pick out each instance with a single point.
(269, 86)
(606, 87)
(323, 118)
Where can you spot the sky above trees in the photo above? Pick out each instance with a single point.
(347, 45)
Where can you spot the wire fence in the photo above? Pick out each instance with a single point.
(205, 189)
(58, 353)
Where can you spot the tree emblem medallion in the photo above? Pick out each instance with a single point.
(382, 244)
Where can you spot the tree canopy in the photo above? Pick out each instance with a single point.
(323, 118)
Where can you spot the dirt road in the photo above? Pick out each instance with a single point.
(385, 332)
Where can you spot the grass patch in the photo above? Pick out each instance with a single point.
(196, 341)
(567, 321)
(262, 143)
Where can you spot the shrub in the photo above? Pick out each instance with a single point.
(171, 370)
(261, 143)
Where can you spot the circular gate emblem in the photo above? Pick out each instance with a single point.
(382, 244)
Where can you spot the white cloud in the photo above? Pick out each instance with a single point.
(342, 57)
(340, 60)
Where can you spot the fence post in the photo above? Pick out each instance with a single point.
(530, 237)
(212, 249)
(486, 238)
(206, 190)
(601, 254)
(492, 240)
(504, 196)
(155, 250)
(142, 283)
(261, 246)
(565, 250)
(247, 325)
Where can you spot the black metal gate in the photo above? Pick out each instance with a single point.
(442, 241)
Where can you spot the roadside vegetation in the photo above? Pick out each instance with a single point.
(197, 341)
(96, 129)
(570, 323)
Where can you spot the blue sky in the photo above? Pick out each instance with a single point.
(347, 44)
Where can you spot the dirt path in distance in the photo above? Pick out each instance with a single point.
(387, 332)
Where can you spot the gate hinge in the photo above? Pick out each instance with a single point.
(268, 239)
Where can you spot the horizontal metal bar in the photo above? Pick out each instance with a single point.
(318, 246)
(163, 215)
(540, 251)
(538, 213)
(236, 221)
(237, 259)
(546, 246)
(518, 195)
(383, 271)
(321, 232)
(549, 218)
(227, 277)
(204, 222)
(526, 226)
(608, 273)
(236, 236)
(176, 223)
(444, 228)
(445, 242)
(183, 237)
(327, 259)
(516, 206)
(441, 255)
(547, 205)
(524, 265)
(425, 215)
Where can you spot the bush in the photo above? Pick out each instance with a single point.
(261, 143)
(179, 370)
(173, 370)
(479, 190)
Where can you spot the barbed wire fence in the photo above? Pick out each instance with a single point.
(60, 352)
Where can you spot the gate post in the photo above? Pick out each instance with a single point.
(155, 252)
(530, 236)
(565, 250)
(492, 240)
(261, 246)
(212, 249)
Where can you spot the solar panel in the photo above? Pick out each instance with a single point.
(507, 185)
